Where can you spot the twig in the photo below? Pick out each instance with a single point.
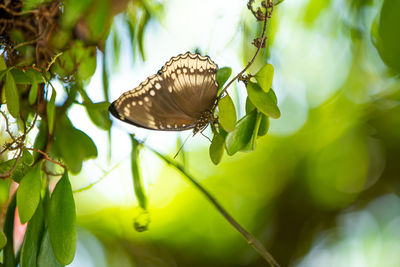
(53, 60)
(18, 13)
(47, 157)
(7, 126)
(10, 172)
(262, 38)
(33, 123)
(250, 239)
(26, 43)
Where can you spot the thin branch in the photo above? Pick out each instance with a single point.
(26, 43)
(262, 38)
(8, 126)
(47, 157)
(33, 123)
(250, 239)
(18, 13)
(10, 172)
(54, 60)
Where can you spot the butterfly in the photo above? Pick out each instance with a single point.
(180, 96)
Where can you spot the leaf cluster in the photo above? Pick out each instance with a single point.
(43, 42)
(234, 135)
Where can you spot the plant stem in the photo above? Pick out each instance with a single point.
(251, 61)
(250, 239)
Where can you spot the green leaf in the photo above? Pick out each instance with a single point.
(3, 239)
(20, 170)
(105, 79)
(251, 145)
(240, 137)
(33, 93)
(264, 125)
(31, 4)
(87, 67)
(140, 192)
(73, 155)
(272, 94)
(227, 113)
(27, 157)
(46, 256)
(12, 96)
(388, 40)
(3, 73)
(51, 111)
(98, 19)
(30, 247)
(264, 102)
(249, 106)
(28, 194)
(223, 75)
(62, 221)
(140, 33)
(264, 77)
(6, 166)
(73, 11)
(217, 148)
(25, 77)
(8, 251)
(3, 64)
(98, 113)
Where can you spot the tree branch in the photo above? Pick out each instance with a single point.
(250, 239)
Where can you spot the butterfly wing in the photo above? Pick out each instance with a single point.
(174, 98)
(191, 79)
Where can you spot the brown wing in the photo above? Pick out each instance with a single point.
(174, 98)
(191, 79)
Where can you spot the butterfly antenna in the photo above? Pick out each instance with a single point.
(184, 142)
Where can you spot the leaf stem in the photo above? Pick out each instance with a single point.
(250, 239)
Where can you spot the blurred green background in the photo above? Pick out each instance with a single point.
(321, 189)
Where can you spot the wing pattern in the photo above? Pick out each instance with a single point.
(174, 98)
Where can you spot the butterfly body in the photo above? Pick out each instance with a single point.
(179, 97)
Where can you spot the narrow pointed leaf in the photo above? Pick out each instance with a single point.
(227, 113)
(138, 185)
(264, 77)
(8, 251)
(12, 96)
(28, 194)
(51, 111)
(46, 255)
(62, 221)
(264, 102)
(33, 93)
(32, 239)
(240, 137)
(3, 64)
